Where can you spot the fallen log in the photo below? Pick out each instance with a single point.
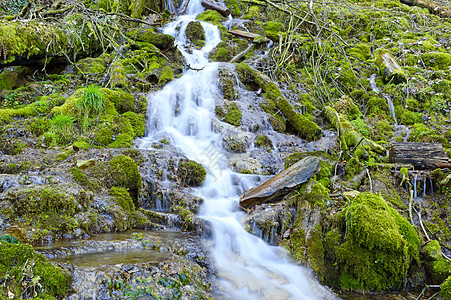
(420, 155)
(244, 34)
(220, 9)
(433, 8)
(282, 183)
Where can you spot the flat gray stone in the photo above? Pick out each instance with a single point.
(282, 183)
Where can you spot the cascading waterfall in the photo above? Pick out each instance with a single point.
(183, 112)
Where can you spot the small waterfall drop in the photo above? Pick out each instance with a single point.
(183, 111)
(386, 96)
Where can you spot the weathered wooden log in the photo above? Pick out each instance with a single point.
(220, 9)
(244, 34)
(420, 155)
(433, 8)
(282, 183)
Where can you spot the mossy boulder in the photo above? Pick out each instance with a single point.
(195, 33)
(190, 173)
(162, 41)
(121, 171)
(379, 248)
(273, 29)
(437, 268)
(211, 16)
(47, 210)
(166, 75)
(27, 272)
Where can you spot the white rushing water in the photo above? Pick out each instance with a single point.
(183, 112)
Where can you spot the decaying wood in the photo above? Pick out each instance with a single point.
(220, 9)
(433, 8)
(420, 155)
(244, 34)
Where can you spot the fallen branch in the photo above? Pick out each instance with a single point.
(241, 54)
(195, 69)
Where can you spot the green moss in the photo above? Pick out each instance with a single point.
(437, 60)
(166, 75)
(223, 54)
(263, 141)
(360, 51)
(195, 33)
(23, 268)
(300, 123)
(122, 100)
(190, 173)
(347, 106)
(122, 198)
(273, 29)
(353, 167)
(92, 65)
(445, 289)
(161, 41)
(81, 178)
(137, 121)
(233, 115)
(252, 13)
(47, 209)
(316, 251)
(211, 16)
(123, 172)
(379, 246)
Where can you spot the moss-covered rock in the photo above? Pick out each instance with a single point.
(162, 41)
(445, 289)
(195, 33)
(437, 268)
(273, 29)
(122, 198)
(379, 247)
(166, 75)
(190, 173)
(28, 272)
(49, 210)
(121, 171)
(233, 114)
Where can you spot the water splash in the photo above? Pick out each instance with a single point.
(183, 111)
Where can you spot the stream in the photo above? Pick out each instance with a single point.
(183, 113)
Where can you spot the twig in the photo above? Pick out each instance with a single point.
(195, 69)
(241, 54)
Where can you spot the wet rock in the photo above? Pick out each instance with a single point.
(195, 33)
(390, 68)
(237, 141)
(270, 222)
(282, 183)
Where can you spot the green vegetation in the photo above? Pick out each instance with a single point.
(29, 274)
(190, 173)
(379, 247)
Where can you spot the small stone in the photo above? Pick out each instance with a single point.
(84, 164)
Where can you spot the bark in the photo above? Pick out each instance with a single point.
(433, 8)
(220, 9)
(420, 155)
(244, 34)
